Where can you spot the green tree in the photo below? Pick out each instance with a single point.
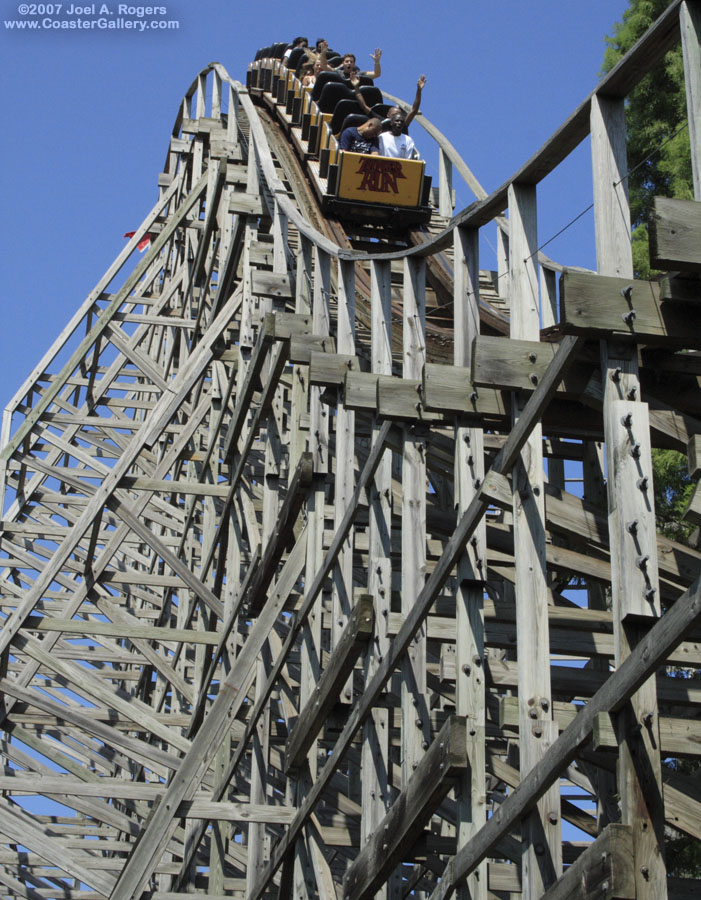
(658, 143)
(673, 490)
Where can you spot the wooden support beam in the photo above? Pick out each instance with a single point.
(222, 638)
(541, 859)
(342, 591)
(450, 388)
(21, 828)
(391, 841)
(281, 535)
(603, 872)
(400, 398)
(469, 466)
(694, 456)
(375, 752)
(645, 658)
(356, 634)
(194, 433)
(510, 364)
(598, 305)
(504, 462)
(330, 369)
(163, 413)
(634, 576)
(271, 284)
(675, 234)
(81, 350)
(266, 336)
(289, 575)
(416, 733)
(679, 738)
(690, 30)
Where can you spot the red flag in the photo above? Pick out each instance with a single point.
(144, 242)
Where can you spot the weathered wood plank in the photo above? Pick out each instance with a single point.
(445, 759)
(690, 30)
(694, 456)
(597, 305)
(469, 466)
(510, 364)
(275, 547)
(356, 634)
(449, 389)
(330, 369)
(643, 660)
(400, 398)
(504, 461)
(271, 284)
(677, 737)
(604, 870)
(360, 390)
(675, 234)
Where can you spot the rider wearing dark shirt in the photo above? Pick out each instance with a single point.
(364, 138)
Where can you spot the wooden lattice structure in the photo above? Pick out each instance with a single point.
(290, 543)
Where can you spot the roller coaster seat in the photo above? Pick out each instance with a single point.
(371, 95)
(344, 108)
(296, 57)
(353, 120)
(331, 95)
(322, 79)
(381, 110)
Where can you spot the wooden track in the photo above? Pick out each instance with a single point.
(313, 585)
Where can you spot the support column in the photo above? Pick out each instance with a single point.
(632, 531)
(345, 452)
(376, 798)
(416, 731)
(305, 878)
(541, 848)
(300, 373)
(445, 185)
(470, 694)
(690, 26)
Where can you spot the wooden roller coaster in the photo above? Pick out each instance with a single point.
(329, 560)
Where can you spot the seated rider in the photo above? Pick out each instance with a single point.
(296, 42)
(364, 138)
(394, 141)
(309, 73)
(348, 68)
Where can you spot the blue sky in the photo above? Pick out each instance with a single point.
(88, 114)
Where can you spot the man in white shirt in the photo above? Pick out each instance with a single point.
(394, 141)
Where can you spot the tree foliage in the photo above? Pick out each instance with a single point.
(673, 490)
(658, 143)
